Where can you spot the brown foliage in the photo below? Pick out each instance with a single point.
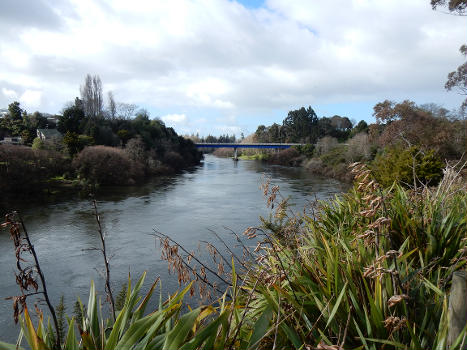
(359, 148)
(23, 169)
(289, 157)
(174, 160)
(410, 125)
(107, 166)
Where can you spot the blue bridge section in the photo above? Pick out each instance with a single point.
(247, 145)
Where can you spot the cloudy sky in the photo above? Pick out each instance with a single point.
(220, 66)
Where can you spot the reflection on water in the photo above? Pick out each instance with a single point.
(220, 193)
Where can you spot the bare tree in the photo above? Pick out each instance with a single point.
(91, 94)
(112, 105)
(126, 110)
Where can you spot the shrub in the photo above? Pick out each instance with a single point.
(325, 144)
(135, 149)
(359, 148)
(396, 165)
(23, 169)
(107, 166)
(306, 150)
(289, 157)
(174, 160)
(38, 144)
(334, 156)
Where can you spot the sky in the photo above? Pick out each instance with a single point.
(225, 66)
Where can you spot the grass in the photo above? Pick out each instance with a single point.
(258, 156)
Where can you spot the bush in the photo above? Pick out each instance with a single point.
(38, 144)
(325, 144)
(288, 157)
(174, 160)
(396, 165)
(334, 156)
(359, 148)
(306, 150)
(23, 169)
(107, 166)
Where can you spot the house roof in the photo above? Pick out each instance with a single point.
(50, 133)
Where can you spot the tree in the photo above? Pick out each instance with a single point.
(301, 125)
(112, 105)
(36, 121)
(388, 111)
(71, 141)
(458, 79)
(362, 126)
(126, 110)
(27, 137)
(91, 94)
(71, 120)
(123, 135)
(341, 123)
(15, 111)
(457, 6)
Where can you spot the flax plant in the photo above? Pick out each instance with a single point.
(372, 269)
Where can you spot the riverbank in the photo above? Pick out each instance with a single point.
(332, 164)
(25, 170)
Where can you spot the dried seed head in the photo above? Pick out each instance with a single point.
(395, 299)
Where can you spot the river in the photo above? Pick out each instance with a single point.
(218, 195)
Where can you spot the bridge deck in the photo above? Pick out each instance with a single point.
(246, 145)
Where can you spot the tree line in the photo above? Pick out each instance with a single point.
(303, 126)
(119, 140)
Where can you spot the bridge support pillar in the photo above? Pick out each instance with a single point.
(235, 156)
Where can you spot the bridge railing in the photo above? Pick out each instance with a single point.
(247, 145)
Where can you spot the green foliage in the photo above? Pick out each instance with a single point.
(362, 126)
(71, 141)
(72, 120)
(397, 165)
(373, 265)
(335, 156)
(165, 328)
(27, 137)
(15, 111)
(60, 309)
(301, 125)
(123, 135)
(121, 296)
(38, 144)
(306, 150)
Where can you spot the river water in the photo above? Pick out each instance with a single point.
(219, 195)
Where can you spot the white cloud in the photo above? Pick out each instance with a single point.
(219, 56)
(229, 130)
(9, 93)
(175, 119)
(31, 98)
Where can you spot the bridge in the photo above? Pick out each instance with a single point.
(235, 146)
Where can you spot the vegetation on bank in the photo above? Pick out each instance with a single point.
(369, 269)
(114, 146)
(407, 140)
